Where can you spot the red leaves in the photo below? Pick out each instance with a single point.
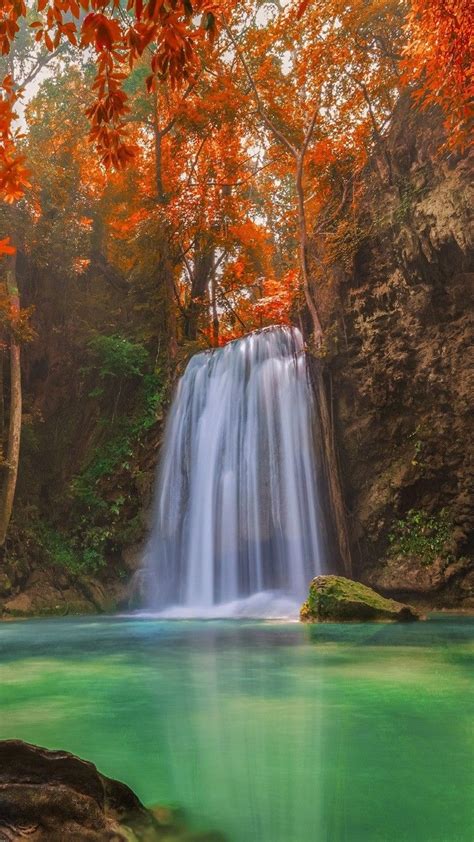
(10, 12)
(102, 32)
(6, 247)
(439, 57)
(108, 131)
(13, 172)
(15, 320)
(302, 8)
(168, 27)
(274, 306)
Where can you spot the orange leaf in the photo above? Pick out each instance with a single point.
(5, 247)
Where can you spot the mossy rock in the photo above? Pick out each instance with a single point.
(335, 599)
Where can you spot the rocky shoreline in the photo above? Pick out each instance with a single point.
(51, 796)
(58, 593)
(54, 590)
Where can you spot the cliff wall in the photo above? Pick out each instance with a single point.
(401, 367)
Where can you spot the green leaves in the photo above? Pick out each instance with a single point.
(103, 495)
(422, 536)
(116, 356)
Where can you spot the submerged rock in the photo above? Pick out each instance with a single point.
(339, 600)
(53, 796)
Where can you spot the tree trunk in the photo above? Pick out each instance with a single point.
(214, 310)
(202, 273)
(165, 280)
(2, 404)
(303, 250)
(7, 493)
(158, 136)
(336, 498)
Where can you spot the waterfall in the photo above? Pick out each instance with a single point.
(235, 526)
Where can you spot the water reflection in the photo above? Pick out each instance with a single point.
(243, 743)
(270, 733)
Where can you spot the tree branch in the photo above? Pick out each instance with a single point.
(260, 107)
(303, 244)
(42, 62)
(327, 220)
(226, 302)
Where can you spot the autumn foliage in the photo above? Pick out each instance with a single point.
(168, 30)
(439, 57)
(13, 170)
(210, 103)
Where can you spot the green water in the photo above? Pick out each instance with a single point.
(268, 732)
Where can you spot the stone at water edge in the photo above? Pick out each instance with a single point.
(335, 599)
(53, 796)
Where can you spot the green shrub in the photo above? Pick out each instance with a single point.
(116, 356)
(55, 546)
(101, 512)
(422, 536)
(104, 519)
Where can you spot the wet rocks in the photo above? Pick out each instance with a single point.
(335, 599)
(51, 796)
(400, 574)
(55, 591)
(45, 593)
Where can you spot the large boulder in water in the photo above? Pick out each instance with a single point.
(335, 599)
(53, 796)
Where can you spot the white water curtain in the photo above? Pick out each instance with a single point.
(236, 511)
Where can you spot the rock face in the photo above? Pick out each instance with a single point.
(405, 575)
(53, 796)
(335, 599)
(55, 591)
(398, 365)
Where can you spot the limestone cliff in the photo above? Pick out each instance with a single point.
(399, 373)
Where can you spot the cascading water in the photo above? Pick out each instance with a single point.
(235, 528)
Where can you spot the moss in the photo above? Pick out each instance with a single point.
(305, 612)
(422, 536)
(5, 584)
(337, 599)
(104, 510)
